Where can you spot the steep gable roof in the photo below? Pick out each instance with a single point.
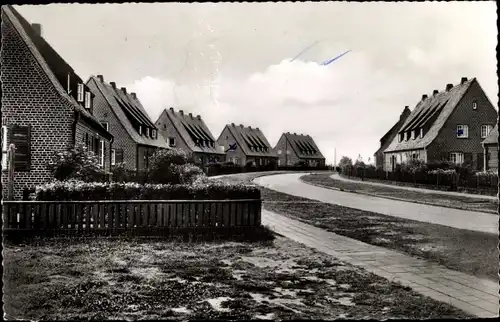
(53, 65)
(389, 136)
(492, 138)
(192, 130)
(430, 113)
(128, 110)
(251, 140)
(303, 146)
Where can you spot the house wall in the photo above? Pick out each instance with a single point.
(29, 98)
(492, 153)
(283, 158)
(83, 128)
(226, 138)
(403, 156)
(168, 130)
(122, 140)
(447, 140)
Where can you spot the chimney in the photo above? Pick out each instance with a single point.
(101, 78)
(241, 125)
(172, 109)
(124, 90)
(181, 112)
(464, 79)
(449, 86)
(198, 117)
(424, 97)
(232, 124)
(134, 95)
(37, 28)
(257, 129)
(113, 84)
(294, 133)
(191, 115)
(250, 127)
(435, 92)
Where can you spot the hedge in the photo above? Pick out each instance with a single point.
(200, 190)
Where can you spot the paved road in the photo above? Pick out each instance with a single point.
(471, 294)
(440, 192)
(462, 219)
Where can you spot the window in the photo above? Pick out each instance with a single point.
(4, 147)
(88, 100)
(105, 125)
(474, 105)
(101, 153)
(462, 131)
(147, 131)
(153, 134)
(413, 134)
(140, 129)
(113, 157)
(485, 130)
(406, 136)
(164, 126)
(171, 141)
(457, 157)
(421, 132)
(400, 138)
(80, 92)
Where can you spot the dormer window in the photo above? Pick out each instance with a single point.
(140, 129)
(413, 134)
(421, 132)
(88, 100)
(147, 131)
(153, 134)
(400, 137)
(80, 93)
(406, 136)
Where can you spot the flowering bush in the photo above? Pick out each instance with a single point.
(488, 173)
(414, 166)
(173, 167)
(442, 172)
(201, 188)
(76, 163)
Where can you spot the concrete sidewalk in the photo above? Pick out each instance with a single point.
(468, 293)
(457, 218)
(336, 176)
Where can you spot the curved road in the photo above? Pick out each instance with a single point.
(462, 219)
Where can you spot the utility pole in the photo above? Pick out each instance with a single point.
(286, 151)
(335, 158)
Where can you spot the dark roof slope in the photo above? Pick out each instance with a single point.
(389, 136)
(54, 66)
(304, 146)
(129, 111)
(193, 131)
(492, 138)
(430, 113)
(251, 140)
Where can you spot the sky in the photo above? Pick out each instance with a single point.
(232, 62)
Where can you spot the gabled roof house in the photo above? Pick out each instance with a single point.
(136, 136)
(490, 146)
(191, 134)
(389, 137)
(295, 149)
(245, 145)
(46, 106)
(447, 125)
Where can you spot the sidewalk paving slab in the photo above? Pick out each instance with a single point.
(471, 294)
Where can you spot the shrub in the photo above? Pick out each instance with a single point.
(201, 188)
(173, 166)
(442, 172)
(76, 163)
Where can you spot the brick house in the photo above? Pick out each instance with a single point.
(136, 138)
(448, 125)
(191, 134)
(245, 145)
(46, 107)
(389, 137)
(490, 146)
(294, 149)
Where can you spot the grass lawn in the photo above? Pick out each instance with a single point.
(466, 251)
(103, 279)
(474, 204)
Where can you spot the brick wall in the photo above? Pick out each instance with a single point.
(29, 98)
(122, 140)
(83, 128)
(283, 158)
(447, 140)
(226, 138)
(168, 130)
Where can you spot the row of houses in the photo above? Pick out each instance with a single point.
(458, 124)
(47, 107)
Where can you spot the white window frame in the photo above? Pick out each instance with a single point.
(406, 136)
(465, 129)
(4, 147)
(153, 134)
(101, 153)
(487, 129)
(88, 100)
(113, 157)
(474, 105)
(105, 125)
(421, 132)
(80, 93)
(456, 157)
(140, 129)
(147, 131)
(413, 134)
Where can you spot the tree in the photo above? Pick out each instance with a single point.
(77, 162)
(345, 162)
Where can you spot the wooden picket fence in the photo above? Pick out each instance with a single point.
(141, 217)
